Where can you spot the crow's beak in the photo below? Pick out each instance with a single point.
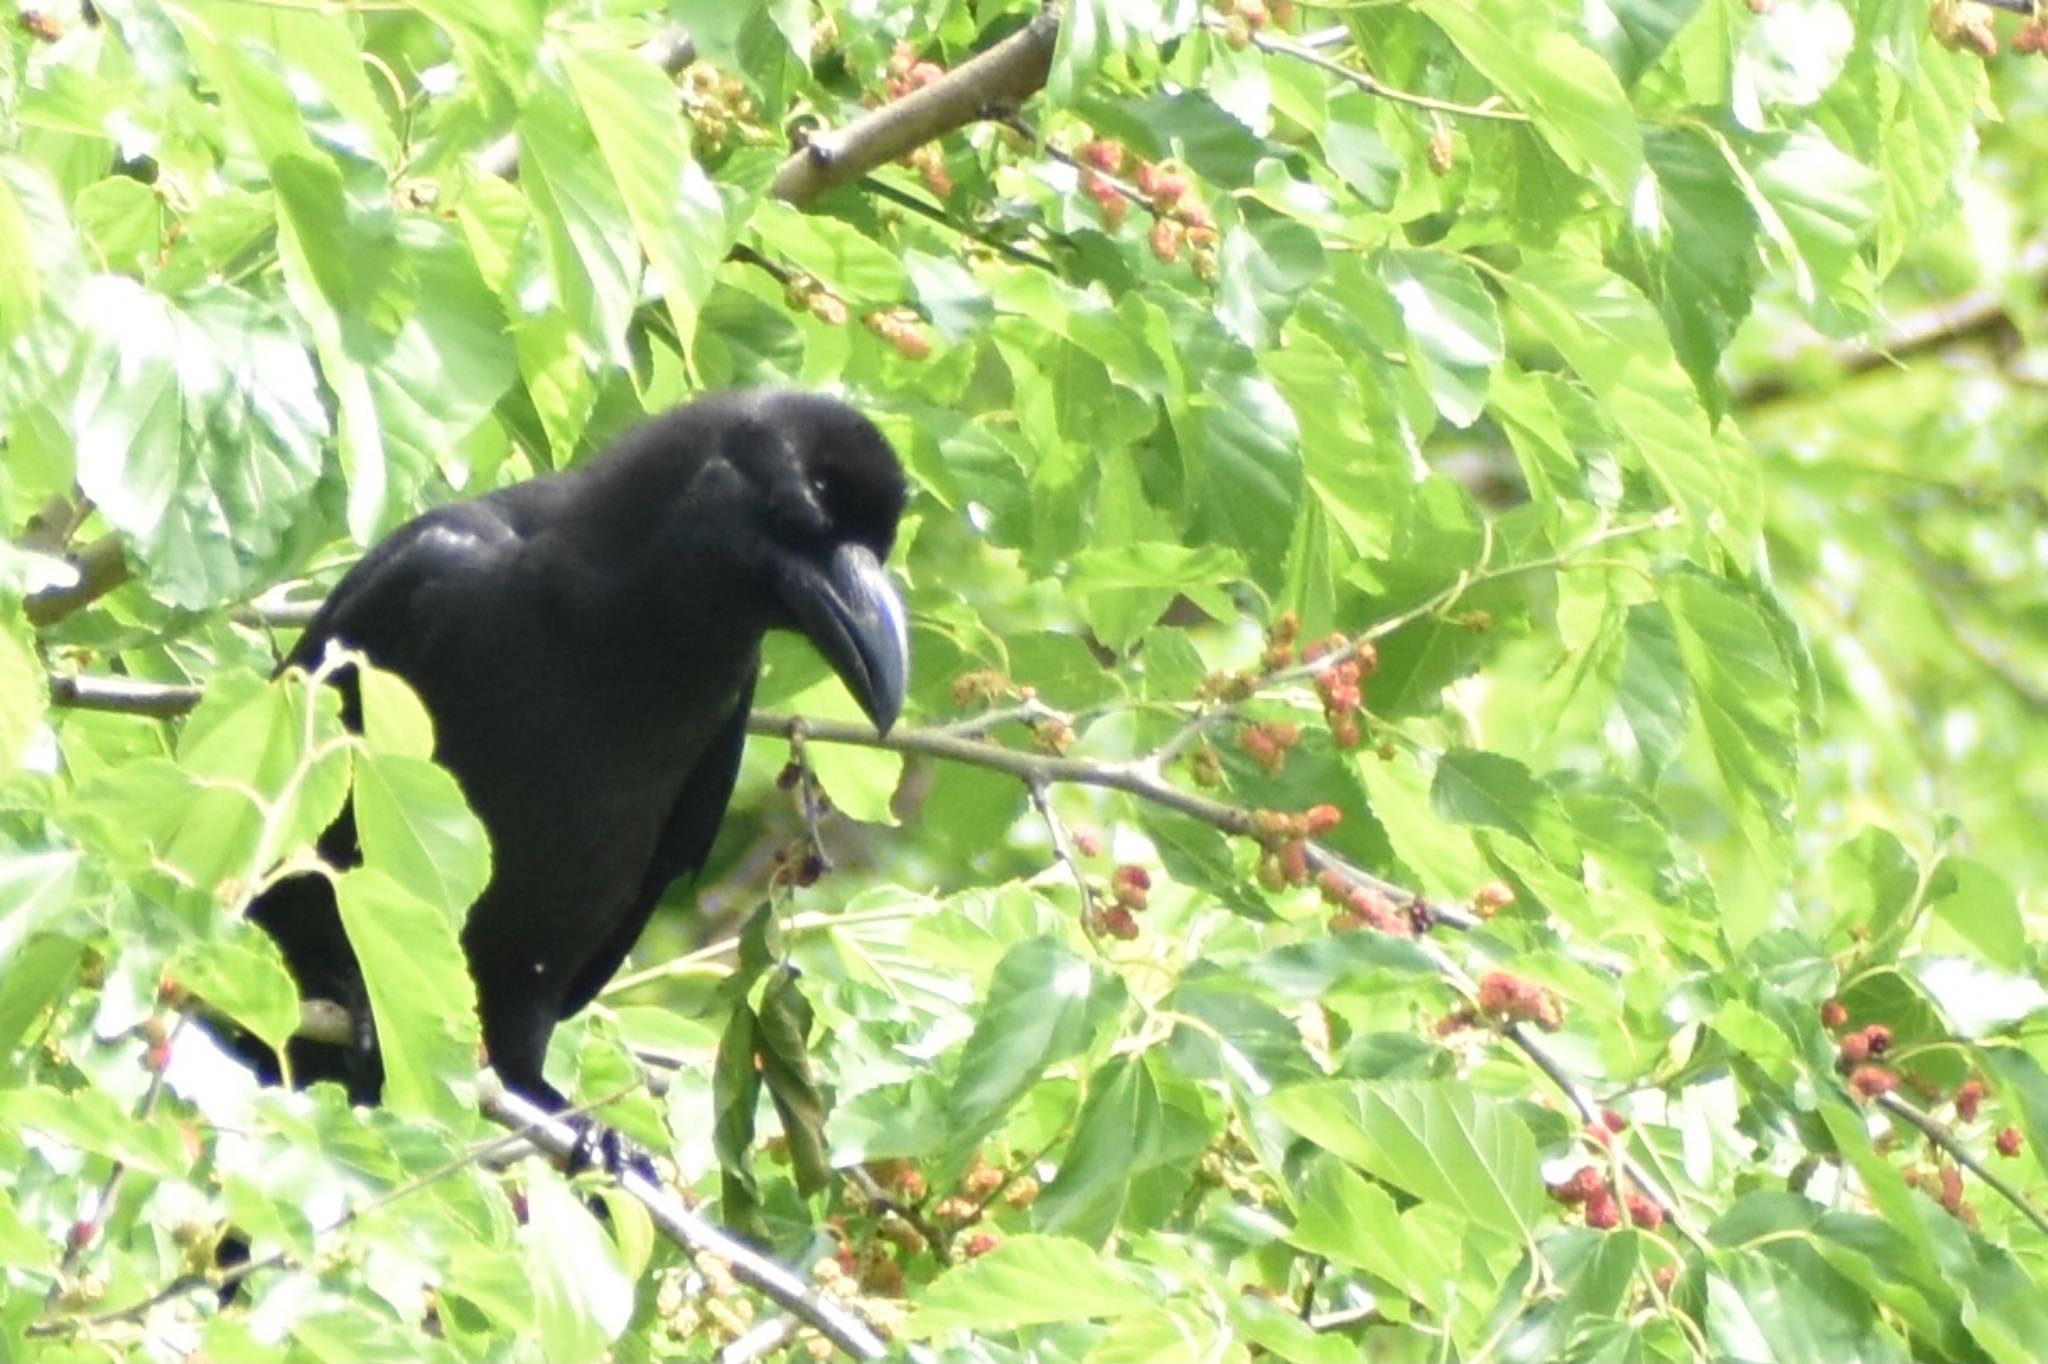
(851, 611)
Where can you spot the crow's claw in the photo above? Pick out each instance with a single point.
(599, 1147)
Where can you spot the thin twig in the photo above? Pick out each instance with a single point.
(1938, 1132)
(217, 1280)
(1272, 43)
(1063, 850)
(103, 1206)
(683, 1226)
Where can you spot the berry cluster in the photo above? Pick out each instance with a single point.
(1243, 18)
(1280, 642)
(1507, 998)
(1858, 1053)
(1178, 217)
(1283, 843)
(2032, 39)
(1130, 888)
(901, 328)
(807, 295)
(1268, 742)
(1964, 27)
(1363, 907)
(981, 687)
(878, 1271)
(1342, 684)
(907, 71)
(717, 105)
(1491, 898)
(1052, 736)
(1443, 152)
(1589, 1189)
(929, 161)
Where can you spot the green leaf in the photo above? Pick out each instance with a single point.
(1439, 1142)
(1338, 1213)
(395, 721)
(782, 1049)
(1571, 95)
(416, 828)
(1356, 151)
(35, 888)
(861, 781)
(593, 253)
(1492, 791)
(20, 283)
(1619, 347)
(1818, 205)
(1637, 32)
(1746, 697)
(1044, 1005)
(856, 267)
(244, 977)
(675, 209)
(1028, 1281)
(420, 993)
(90, 1120)
(1788, 59)
(198, 430)
(581, 1294)
(1264, 268)
(1123, 591)
(1702, 249)
(1979, 908)
(24, 695)
(1653, 692)
(1454, 336)
(1116, 1134)
(1239, 443)
(440, 374)
(1785, 1303)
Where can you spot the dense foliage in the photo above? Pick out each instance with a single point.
(1475, 767)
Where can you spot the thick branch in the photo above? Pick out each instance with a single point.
(101, 568)
(1004, 75)
(687, 1229)
(124, 696)
(1976, 315)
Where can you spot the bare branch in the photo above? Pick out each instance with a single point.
(986, 83)
(1977, 315)
(124, 696)
(101, 568)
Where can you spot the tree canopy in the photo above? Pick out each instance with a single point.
(1475, 763)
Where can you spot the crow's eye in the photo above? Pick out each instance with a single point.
(818, 489)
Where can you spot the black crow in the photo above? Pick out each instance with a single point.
(586, 643)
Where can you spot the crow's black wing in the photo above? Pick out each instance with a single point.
(686, 841)
(385, 604)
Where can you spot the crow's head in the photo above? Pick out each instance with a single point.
(823, 493)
